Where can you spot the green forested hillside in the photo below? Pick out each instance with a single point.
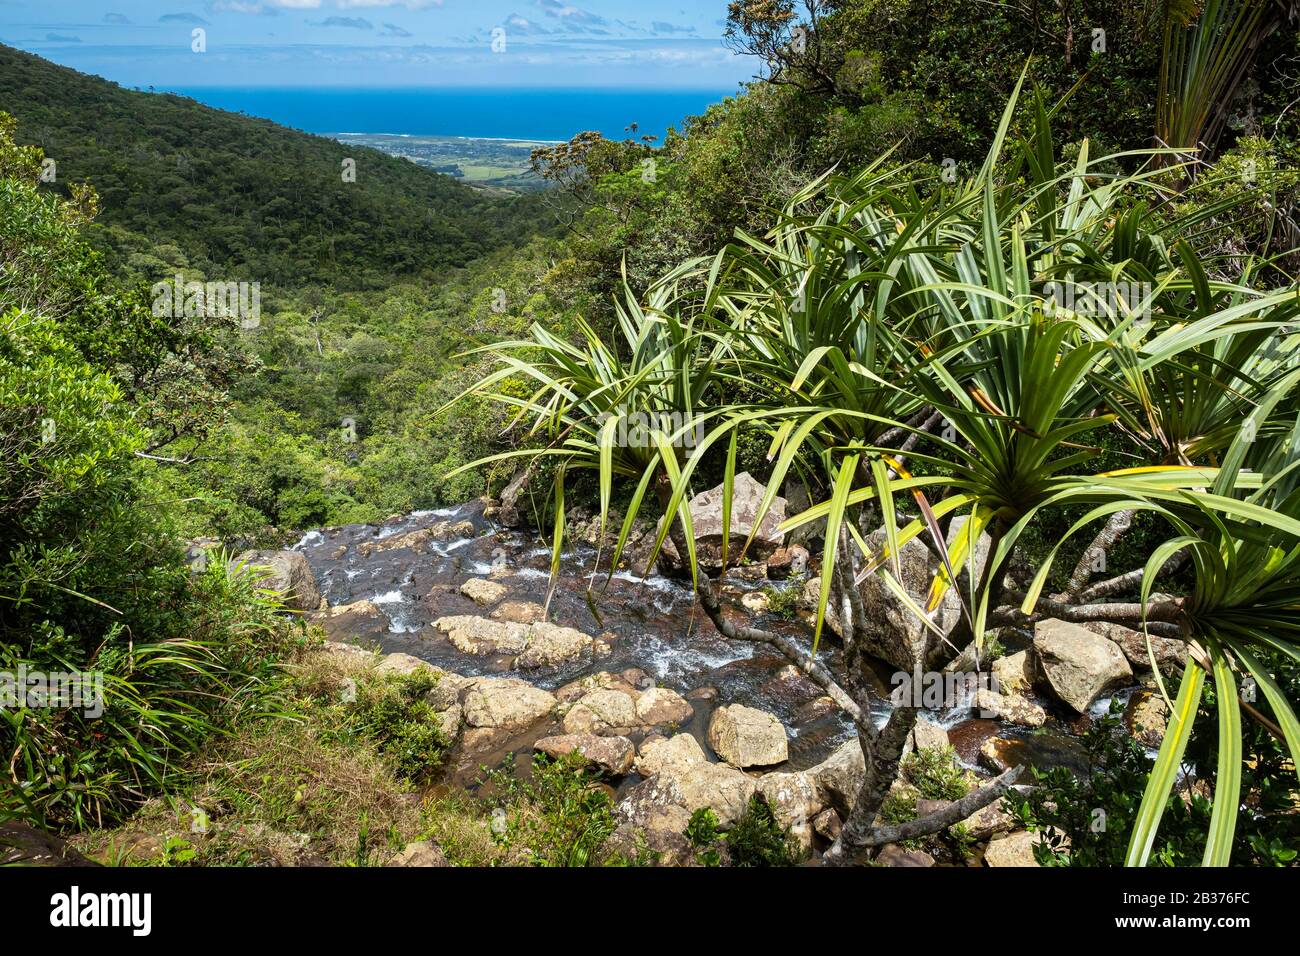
(234, 197)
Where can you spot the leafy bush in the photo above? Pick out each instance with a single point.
(561, 815)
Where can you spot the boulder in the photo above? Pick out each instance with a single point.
(988, 821)
(402, 664)
(1041, 750)
(926, 734)
(361, 619)
(756, 602)
(794, 800)
(723, 789)
(839, 777)
(1147, 717)
(653, 815)
(706, 519)
(747, 737)
(483, 592)
(285, 572)
(536, 645)
(1170, 653)
(23, 845)
(420, 853)
(613, 755)
(668, 755)
(893, 632)
(659, 706)
(549, 645)
(601, 712)
(1010, 708)
(601, 680)
(497, 708)
(519, 612)
(1014, 849)
(827, 825)
(478, 635)
(1012, 674)
(508, 512)
(1078, 664)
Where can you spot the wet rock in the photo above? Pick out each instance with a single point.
(893, 631)
(839, 777)
(1010, 708)
(1015, 849)
(601, 680)
(668, 755)
(483, 592)
(756, 602)
(601, 712)
(613, 755)
(478, 635)
(285, 572)
(519, 612)
(659, 706)
(747, 737)
(1043, 751)
(549, 645)
(815, 709)
(1170, 653)
(1077, 664)
(420, 853)
(787, 562)
(894, 855)
(361, 619)
(1147, 717)
(968, 736)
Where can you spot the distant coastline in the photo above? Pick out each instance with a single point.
(479, 113)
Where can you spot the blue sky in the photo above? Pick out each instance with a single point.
(656, 44)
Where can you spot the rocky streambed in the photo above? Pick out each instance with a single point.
(628, 672)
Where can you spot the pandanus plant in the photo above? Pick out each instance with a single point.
(848, 334)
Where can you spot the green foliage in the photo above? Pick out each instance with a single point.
(936, 774)
(756, 839)
(1087, 821)
(395, 714)
(704, 833)
(560, 814)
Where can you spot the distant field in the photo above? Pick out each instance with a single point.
(496, 163)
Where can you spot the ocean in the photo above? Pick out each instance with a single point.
(481, 113)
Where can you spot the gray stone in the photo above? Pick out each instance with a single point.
(285, 572)
(747, 737)
(1077, 664)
